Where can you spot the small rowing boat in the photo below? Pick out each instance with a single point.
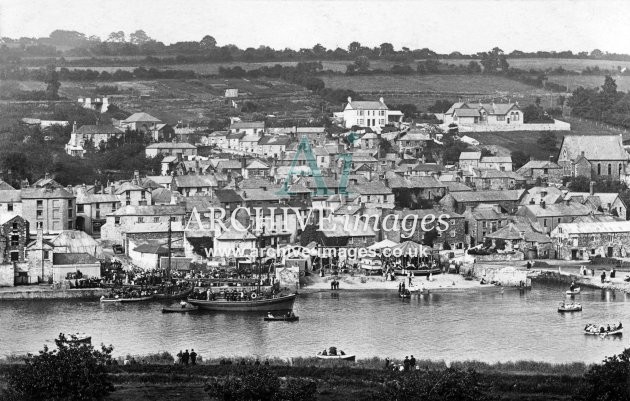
(333, 354)
(179, 309)
(405, 295)
(104, 299)
(78, 338)
(615, 329)
(574, 307)
(575, 291)
(281, 318)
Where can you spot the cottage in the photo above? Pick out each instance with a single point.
(178, 149)
(458, 201)
(542, 171)
(49, 207)
(492, 114)
(90, 136)
(247, 128)
(548, 216)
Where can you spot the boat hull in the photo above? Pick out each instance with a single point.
(179, 310)
(606, 333)
(420, 272)
(282, 319)
(139, 299)
(337, 357)
(563, 310)
(262, 305)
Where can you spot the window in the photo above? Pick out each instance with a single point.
(128, 194)
(55, 213)
(156, 219)
(15, 240)
(15, 226)
(10, 205)
(56, 203)
(545, 223)
(599, 169)
(69, 213)
(46, 255)
(40, 204)
(128, 202)
(114, 207)
(558, 220)
(142, 195)
(619, 168)
(40, 214)
(500, 118)
(609, 169)
(70, 224)
(40, 224)
(140, 219)
(69, 202)
(79, 208)
(98, 206)
(116, 220)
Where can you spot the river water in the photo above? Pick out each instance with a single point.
(488, 326)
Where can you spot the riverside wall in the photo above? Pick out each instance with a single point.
(37, 293)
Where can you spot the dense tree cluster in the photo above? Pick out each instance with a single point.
(605, 104)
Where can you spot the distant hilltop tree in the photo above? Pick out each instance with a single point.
(494, 61)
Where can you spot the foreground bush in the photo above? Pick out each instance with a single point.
(450, 384)
(71, 372)
(260, 384)
(609, 381)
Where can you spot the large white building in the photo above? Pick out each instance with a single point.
(372, 114)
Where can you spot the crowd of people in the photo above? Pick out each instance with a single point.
(407, 364)
(183, 358)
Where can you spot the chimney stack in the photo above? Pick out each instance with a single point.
(543, 203)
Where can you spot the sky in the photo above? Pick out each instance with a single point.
(467, 26)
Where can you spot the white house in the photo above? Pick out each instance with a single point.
(373, 114)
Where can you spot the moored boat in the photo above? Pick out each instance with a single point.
(417, 272)
(257, 304)
(333, 354)
(77, 338)
(575, 291)
(136, 299)
(281, 318)
(573, 307)
(179, 309)
(105, 299)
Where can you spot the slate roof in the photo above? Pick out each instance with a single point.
(595, 147)
(454, 186)
(73, 259)
(488, 196)
(367, 105)
(171, 145)
(496, 159)
(161, 195)
(556, 209)
(99, 129)
(5, 187)
(597, 227)
(195, 181)
(128, 186)
(152, 210)
(470, 156)
(248, 125)
(46, 193)
(141, 117)
(97, 198)
(370, 188)
(10, 196)
(466, 113)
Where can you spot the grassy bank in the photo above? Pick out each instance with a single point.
(156, 377)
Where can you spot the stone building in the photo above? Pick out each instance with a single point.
(581, 241)
(14, 235)
(593, 156)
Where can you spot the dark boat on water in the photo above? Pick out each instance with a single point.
(283, 302)
(281, 318)
(77, 338)
(179, 309)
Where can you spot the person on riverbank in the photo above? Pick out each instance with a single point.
(406, 364)
(603, 277)
(387, 362)
(185, 357)
(412, 362)
(193, 357)
(180, 357)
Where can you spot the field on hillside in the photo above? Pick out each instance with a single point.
(589, 81)
(545, 63)
(424, 90)
(197, 99)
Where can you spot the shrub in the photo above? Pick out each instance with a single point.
(608, 381)
(71, 372)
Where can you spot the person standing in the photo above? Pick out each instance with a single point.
(406, 364)
(180, 357)
(193, 357)
(412, 362)
(185, 357)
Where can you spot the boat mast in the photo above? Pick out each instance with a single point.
(168, 268)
